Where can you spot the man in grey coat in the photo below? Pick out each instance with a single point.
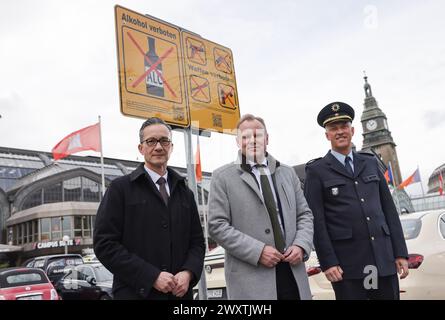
(258, 213)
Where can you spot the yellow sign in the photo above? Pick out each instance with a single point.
(211, 84)
(150, 68)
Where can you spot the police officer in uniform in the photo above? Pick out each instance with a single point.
(358, 236)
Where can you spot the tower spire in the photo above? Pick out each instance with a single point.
(367, 86)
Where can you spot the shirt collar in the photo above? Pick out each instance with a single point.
(155, 176)
(341, 157)
(253, 164)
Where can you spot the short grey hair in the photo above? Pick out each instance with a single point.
(250, 117)
(150, 122)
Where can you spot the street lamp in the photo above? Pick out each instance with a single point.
(66, 239)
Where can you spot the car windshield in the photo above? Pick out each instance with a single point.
(411, 228)
(22, 279)
(65, 261)
(103, 274)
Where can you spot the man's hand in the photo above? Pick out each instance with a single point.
(183, 279)
(165, 282)
(294, 255)
(334, 274)
(402, 267)
(270, 257)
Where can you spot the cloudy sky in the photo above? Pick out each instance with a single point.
(58, 70)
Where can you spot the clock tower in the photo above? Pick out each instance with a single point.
(376, 134)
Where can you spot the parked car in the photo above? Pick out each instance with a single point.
(425, 238)
(90, 281)
(54, 265)
(214, 271)
(90, 258)
(26, 284)
(215, 278)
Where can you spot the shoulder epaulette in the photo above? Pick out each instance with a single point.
(310, 162)
(366, 153)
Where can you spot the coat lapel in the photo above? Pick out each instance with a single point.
(359, 164)
(249, 179)
(247, 176)
(285, 205)
(335, 165)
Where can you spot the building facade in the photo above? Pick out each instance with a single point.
(41, 201)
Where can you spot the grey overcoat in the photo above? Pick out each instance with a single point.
(239, 222)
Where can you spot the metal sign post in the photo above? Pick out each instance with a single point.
(202, 285)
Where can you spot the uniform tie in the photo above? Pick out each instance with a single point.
(162, 189)
(348, 165)
(271, 209)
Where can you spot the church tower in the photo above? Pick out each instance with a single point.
(376, 134)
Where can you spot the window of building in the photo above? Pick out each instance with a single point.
(33, 200)
(10, 235)
(45, 229)
(14, 234)
(28, 232)
(77, 226)
(53, 193)
(35, 230)
(90, 190)
(19, 234)
(86, 226)
(56, 230)
(67, 226)
(72, 189)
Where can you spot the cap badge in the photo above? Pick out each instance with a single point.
(335, 107)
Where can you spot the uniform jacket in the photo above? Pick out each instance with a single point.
(137, 236)
(239, 222)
(355, 221)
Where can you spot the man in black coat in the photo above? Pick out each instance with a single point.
(148, 232)
(358, 236)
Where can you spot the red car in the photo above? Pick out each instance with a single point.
(26, 284)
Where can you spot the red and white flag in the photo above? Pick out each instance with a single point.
(440, 183)
(84, 139)
(198, 170)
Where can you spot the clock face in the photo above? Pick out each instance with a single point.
(371, 124)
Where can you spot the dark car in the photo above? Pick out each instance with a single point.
(26, 284)
(90, 281)
(54, 265)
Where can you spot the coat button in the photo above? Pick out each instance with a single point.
(362, 200)
(356, 182)
(372, 238)
(267, 231)
(142, 291)
(165, 225)
(368, 218)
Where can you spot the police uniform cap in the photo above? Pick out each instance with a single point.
(335, 111)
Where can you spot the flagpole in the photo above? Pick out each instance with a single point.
(395, 188)
(423, 192)
(203, 204)
(101, 158)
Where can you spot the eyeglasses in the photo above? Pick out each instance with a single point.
(151, 142)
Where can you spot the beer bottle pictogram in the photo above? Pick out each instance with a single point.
(153, 81)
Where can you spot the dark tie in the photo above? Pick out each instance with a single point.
(348, 166)
(161, 181)
(271, 209)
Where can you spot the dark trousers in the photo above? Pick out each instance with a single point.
(353, 289)
(287, 288)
